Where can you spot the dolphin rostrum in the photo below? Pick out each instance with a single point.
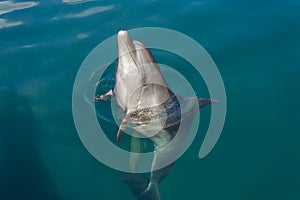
(152, 110)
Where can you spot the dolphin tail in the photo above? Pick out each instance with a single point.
(141, 187)
(152, 193)
(138, 183)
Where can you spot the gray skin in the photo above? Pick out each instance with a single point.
(152, 110)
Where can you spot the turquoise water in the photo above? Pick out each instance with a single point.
(255, 45)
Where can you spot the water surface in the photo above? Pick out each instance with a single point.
(255, 45)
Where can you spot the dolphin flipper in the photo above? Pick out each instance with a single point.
(104, 97)
(206, 101)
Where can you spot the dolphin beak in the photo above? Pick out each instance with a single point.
(123, 34)
(125, 43)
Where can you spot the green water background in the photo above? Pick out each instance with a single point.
(255, 45)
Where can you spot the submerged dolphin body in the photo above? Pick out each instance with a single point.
(152, 110)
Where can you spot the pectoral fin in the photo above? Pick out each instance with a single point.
(104, 97)
(206, 101)
(121, 128)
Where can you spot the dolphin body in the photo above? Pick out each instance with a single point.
(152, 110)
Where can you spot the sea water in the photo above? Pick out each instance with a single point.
(255, 45)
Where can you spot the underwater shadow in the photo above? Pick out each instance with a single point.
(23, 174)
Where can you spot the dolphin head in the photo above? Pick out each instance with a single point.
(137, 72)
(125, 43)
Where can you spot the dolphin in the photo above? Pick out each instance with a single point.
(152, 110)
